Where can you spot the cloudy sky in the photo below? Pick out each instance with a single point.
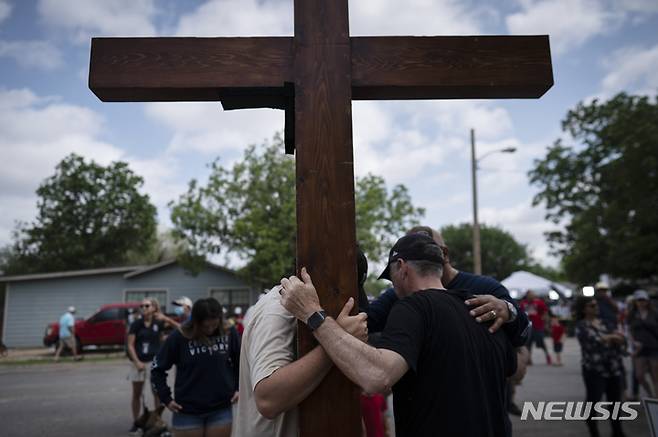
(599, 47)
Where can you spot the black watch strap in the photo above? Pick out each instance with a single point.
(316, 319)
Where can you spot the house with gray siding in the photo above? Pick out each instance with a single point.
(33, 301)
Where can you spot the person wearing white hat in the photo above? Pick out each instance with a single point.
(183, 307)
(643, 323)
(67, 334)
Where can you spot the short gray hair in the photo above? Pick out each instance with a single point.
(427, 268)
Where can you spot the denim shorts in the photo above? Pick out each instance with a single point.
(183, 422)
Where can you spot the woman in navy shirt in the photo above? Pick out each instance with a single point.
(144, 339)
(207, 359)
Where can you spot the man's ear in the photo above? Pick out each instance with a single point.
(446, 255)
(403, 267)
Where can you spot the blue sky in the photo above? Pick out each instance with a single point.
(599, 48)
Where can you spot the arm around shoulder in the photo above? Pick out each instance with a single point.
(289, 385)
(279, 382)
(374, 370)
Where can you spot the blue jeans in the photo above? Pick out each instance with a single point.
(184, 422)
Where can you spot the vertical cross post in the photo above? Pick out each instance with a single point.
(326, 234)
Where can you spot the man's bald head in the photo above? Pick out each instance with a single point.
(449, 272)
(436, 235)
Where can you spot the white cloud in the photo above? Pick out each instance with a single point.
(426, 146)
(526, 224)
(5, 10)
(414, 17)
(85, 19)
(367, 17)
(631, 69)
(37, 54)
(402, 140)
(640, 6)
(569, 23)
(16, 208)
(161, 181)
(238, 18)
(206, 128)
(38, 132)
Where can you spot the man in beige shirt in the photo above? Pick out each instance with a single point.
(272, 383)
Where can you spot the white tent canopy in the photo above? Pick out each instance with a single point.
(518, 283)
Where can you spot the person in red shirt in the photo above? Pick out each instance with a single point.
(239, 317)
(372, 407)
(557, 333)
(537, 312)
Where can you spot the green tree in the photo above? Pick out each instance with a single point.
(248, 210)
(88, 216)
(602, 191)
(501, 253)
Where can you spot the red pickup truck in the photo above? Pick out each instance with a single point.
(107, 326)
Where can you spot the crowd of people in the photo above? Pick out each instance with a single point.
(437, 339)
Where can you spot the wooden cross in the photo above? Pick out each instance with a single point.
(314, 76)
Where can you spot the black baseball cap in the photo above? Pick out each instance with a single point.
(413, 247)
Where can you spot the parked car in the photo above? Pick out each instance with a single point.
(107, 326)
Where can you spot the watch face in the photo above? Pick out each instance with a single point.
(316, 320)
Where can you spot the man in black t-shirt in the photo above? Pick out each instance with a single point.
(446, 370)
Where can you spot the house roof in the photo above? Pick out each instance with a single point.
(147, 269)
(129, 272)
(144, 269)
(69, 274)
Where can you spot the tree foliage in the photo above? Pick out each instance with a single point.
(88, 216)
(603, 190)
(248, 210)
(501, 254)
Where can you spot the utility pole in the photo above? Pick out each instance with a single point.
(477, 257)
(477, 253)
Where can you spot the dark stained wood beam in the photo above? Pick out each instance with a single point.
(189, 69)
(326, 231)
(251, 72)
(450, 67)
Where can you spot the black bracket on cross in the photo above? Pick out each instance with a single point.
(274, 98)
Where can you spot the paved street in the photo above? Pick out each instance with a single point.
(92, 398)
(65, 399)
(549, 383)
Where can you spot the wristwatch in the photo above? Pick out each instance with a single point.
(316, 319)
(513, 313)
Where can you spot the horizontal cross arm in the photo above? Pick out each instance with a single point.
(190, 69)
(251, 72)
(450, 67)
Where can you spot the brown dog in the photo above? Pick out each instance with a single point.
(151, 423)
